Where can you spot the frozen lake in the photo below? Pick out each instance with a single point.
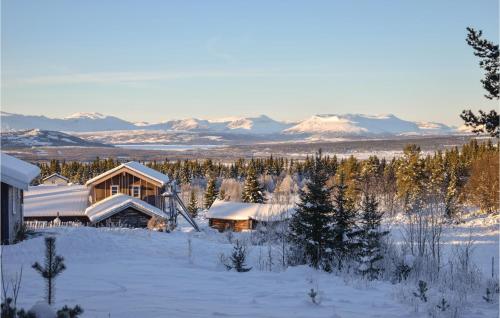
(166, 147)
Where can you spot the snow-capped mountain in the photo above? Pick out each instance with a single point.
(75, 122)
(353, 124)
(37, 137)
(318, 126)
(261, 125)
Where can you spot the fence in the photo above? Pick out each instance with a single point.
(34, 225)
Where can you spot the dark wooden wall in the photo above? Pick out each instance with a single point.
(230, 225)
(129, 217)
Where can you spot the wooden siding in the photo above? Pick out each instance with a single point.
(128, 217)
(150, 191)
(230, 225)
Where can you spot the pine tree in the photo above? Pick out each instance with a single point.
(192, 205)
(370, 237)
(310, 227)
(211, 192)
(344, 221)
(252, 190)
(238, 258)
(54, 265)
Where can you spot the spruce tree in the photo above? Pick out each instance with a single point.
(311, 227)
(344, 224)
(252, 190)
(211, 192)
(54, 265)
(192, 205)
(370, 238)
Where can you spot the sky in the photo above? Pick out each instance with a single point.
(158, 60)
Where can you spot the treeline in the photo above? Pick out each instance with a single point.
(452, 177)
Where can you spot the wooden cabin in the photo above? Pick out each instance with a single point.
(55, 179)
(16, 175)
(240, 216)
(127, 195)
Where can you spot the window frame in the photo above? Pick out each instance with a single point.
(113, 186)
(133, 188)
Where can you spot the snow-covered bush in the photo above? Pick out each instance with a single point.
(157, 224)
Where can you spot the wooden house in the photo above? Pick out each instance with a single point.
(55, 179)
(16, 175)
(128, 195)
(240, 216)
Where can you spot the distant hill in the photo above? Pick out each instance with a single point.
(261, 127)
(40, 138)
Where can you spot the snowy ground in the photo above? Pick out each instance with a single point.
(139, 273)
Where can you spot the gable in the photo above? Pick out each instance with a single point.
(122, 171)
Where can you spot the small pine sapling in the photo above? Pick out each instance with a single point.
(67, 312)
(402, 271)
(54, 265)
(238, 258)
(443, 305)
(422, 289)
(312, 294)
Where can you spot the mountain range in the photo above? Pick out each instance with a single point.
(317, 126)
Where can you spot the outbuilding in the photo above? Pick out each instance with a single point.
(241, 216)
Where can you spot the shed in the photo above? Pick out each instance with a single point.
(239, 216)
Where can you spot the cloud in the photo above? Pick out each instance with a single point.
(137, 77)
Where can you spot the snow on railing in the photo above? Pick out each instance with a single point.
(34, 225)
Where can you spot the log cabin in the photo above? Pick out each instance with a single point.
(240, 216)
(16, 175)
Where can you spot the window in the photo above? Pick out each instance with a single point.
(114, 189)
(136, 191)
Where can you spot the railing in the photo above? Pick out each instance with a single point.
(35, 225)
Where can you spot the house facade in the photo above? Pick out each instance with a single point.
(16, 175)
(55, 179)
(128, 195)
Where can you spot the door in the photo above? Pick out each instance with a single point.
(4, 233)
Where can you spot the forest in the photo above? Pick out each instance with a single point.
(454, 178)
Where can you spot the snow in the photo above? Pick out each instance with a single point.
(16, 172)
(42, 310)
(90, 115)
(354, 124)
(55, 175)
(49, 200)
(140, 273)
(116, 203)
(230, 210)
(136, 167)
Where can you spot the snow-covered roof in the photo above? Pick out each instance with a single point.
(243, 211)
(116, 203)
(48, 200)
(55, 175)
(16, 172)
(136, 167)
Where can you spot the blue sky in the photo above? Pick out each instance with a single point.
(157, 60)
